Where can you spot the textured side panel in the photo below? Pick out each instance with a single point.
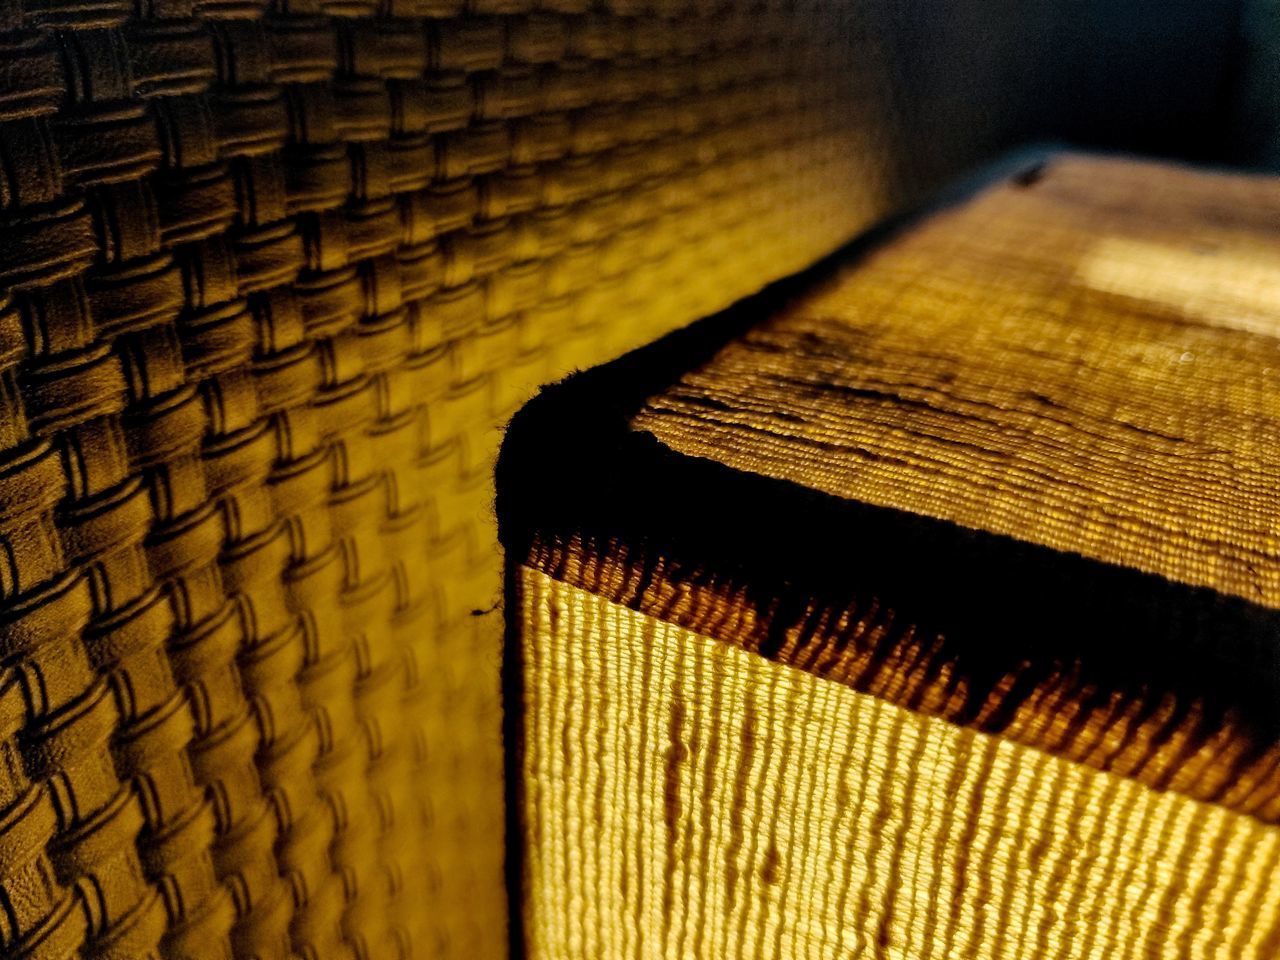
(683, 797)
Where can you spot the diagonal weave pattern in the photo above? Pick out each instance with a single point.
(270, 273)
(259, 267)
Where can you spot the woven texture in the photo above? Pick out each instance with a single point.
(1085, 360)
(260, 267)
(931, 607)
(690, 799)
(270, 276)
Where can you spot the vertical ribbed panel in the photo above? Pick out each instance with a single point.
(683, 797)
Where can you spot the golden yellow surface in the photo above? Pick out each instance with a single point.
(1088, 361)
(784, 215)
(685, 798)
(271, 282)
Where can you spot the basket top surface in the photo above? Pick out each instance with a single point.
(1085, 357)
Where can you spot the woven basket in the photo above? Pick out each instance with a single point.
(926, 605)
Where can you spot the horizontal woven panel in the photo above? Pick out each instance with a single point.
(262, 269)
(1084, 360)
